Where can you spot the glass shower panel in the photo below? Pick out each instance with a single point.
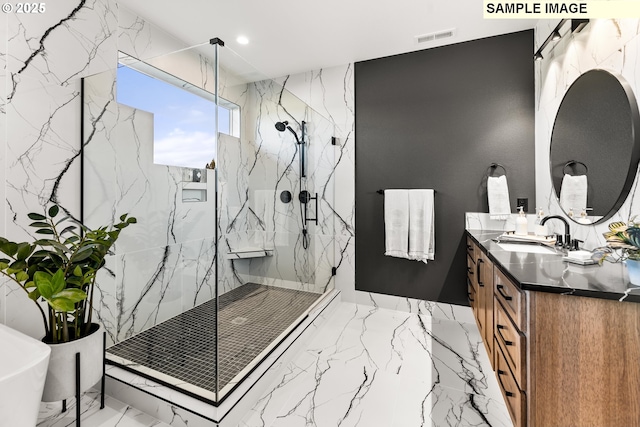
(235, 236)
(150, 130)
(276, 222)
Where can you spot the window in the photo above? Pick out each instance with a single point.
(183, 115)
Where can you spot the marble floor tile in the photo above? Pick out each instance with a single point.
(114, 414)
(375, 367)
(365, 366)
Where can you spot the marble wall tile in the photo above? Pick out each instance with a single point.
(69, 40)
(330, 92)
(142, 299)
(42, 63)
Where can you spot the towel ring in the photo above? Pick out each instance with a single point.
(574, 162)
(492, 168)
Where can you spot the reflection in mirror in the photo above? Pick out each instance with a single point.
(595, 146)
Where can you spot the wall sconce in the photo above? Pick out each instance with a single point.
(576, 26)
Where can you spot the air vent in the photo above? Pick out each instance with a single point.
(435, 36)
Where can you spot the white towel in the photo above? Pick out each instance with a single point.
(396, 223)
(421, 225)
(573, 193)
(498, 195)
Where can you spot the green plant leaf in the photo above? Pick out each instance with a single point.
(74, 281)
(58, 282)
(74, 295)
(61, 304)
(77, 271)
(24, 250)
(9, 248)
(30, 285)
(82, 254)
(40, 224)
(17, 266)
(34, 295)
(42, 280)
(3, 265)
(21, 276)
(68, 229)
(44, 231)
(53, 210)
(36, 216)
(132, 220)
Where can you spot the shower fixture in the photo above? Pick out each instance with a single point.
(304, 197)
(282, 126)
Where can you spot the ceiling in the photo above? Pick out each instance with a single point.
(292, 36)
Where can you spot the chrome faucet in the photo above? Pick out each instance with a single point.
(567, 231)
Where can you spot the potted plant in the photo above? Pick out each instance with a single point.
(60, 268)
(623, 244)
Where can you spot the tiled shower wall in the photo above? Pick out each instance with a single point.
(608, 44)
(166, 263)
(39, 146)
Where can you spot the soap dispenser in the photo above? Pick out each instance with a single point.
(522, 226)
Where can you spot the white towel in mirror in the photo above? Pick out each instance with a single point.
(498, 195)
(573, 193)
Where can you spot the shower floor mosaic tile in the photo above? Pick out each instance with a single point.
(250, 317)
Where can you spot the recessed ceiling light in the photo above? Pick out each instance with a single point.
(242, 40)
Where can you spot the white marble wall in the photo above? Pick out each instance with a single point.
(257, 167)
(330, 91)
(43, 58)
(606, 44)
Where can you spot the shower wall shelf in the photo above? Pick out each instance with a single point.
(249, 252)
(194, 191)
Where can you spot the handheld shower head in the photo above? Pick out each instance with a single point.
(281, 126)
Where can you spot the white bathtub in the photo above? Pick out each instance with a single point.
(23, 369)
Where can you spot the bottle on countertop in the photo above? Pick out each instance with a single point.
(522, 226)
(540, 230)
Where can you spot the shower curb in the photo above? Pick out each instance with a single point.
(178, 409)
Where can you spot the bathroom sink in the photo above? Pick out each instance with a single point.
(527, 248)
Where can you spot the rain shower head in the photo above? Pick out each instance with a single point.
(281, 126)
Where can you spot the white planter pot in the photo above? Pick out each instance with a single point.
(61, 376)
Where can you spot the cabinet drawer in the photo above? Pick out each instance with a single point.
(511, 298)
(471, 267)
(471, 248)
(512, 342)
(473, 298)
(513, 397)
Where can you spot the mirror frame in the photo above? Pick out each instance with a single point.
(635, 152)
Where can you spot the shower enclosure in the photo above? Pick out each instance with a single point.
(235, 235)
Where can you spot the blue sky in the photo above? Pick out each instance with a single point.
(184, 123)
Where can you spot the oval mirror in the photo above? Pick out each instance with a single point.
(595, 146)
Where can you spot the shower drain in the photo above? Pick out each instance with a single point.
(239, 320)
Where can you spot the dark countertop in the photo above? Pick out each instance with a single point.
(549, 273)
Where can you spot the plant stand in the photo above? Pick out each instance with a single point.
(78, 388)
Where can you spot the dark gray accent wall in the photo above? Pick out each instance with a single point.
(437, 119)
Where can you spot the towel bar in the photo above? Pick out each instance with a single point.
(492, 168)
(574, 162)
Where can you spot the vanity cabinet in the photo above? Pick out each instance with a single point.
(560, 360)
(480, 284)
